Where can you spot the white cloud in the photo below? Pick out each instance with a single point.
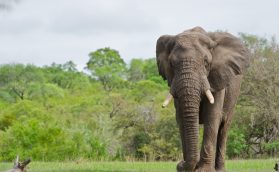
(42, 32)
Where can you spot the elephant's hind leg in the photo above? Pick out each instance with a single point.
(231, 94)
(221, 148)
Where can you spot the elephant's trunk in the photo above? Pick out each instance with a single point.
(188, 87)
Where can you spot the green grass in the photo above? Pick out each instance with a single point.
(266, 165)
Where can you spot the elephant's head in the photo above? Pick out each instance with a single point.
(195, 63)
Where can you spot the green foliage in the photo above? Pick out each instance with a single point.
(140, 140)
(66, 76)
(28, 130)
(166, 144)
(35, 138)
(144, 70)
(136, 70)
(58, 113)
(107, 66)
(150, 68)
(257, 110)
(20, 110)
(145, 90)
(44, 91)
(236, 144)
(16, 79)
(271, 148)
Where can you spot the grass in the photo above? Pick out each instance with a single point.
(265, 165)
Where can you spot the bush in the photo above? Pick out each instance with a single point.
(236, 144)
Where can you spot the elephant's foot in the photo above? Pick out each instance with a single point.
(206, 168)
(180, 167)
(220, 166)
(221, 169)
(183, 167)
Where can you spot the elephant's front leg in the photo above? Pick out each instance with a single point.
(212, 116)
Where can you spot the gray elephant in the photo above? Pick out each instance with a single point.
(204, 72)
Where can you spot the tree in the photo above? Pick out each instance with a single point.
(16, 79)
(135, 72)
(257, 109)
(66, 76)
(107, 66)
(144, 70)
(69, 66)
(150, 69)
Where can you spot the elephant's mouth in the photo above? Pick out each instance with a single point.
(170, 97)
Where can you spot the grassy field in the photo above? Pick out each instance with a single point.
(266, 165)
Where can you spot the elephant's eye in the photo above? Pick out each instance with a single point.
(173, 60)
(206, 63)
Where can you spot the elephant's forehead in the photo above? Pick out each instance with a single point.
(185, 40)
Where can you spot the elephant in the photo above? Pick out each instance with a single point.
(204, 72)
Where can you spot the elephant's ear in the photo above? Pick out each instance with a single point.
(229, 58)
(163, 49)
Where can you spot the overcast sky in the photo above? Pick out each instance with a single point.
(45, 31)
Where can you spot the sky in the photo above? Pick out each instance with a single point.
(41, 32)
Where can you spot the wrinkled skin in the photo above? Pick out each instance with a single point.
(192, 62)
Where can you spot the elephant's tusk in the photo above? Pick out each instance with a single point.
(209, 96)
(167, 100)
